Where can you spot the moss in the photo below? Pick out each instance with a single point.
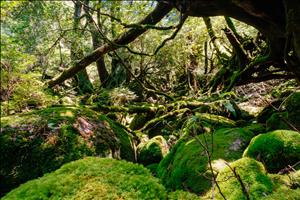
(126, 144)
(278, 121)
(139, 121)
(186, 166)
(222, 107)
(152, 151)
(267, 112)
(276, 149)
(39, 142)
(93, 178)
(289, 117)
(182, 195)
(292, 106)
(215, 120)
(253, 176)
(285, 185)
(153, 168)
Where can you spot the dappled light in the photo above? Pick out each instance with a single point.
(159, 99)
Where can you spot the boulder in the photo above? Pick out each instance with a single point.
(186, 166)
(257, 184)
(152, 151)
(276, 149)
(35, 143)
(93, 178)
(289, 115)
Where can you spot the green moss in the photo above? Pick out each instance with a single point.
(93, 178)
(253, 176)
(153, 168)
(267, 112)
(215, 120)
(139, 121)
(182, 195)
(186, 166)
(39, 142)
(285, 185)
(126, 145)
(152, 151)
(290, 115)
(276, 149)
(278, 121)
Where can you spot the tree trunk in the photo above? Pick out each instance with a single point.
(97, 42)
(82, 78)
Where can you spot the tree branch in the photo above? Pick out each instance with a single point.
(154, 17)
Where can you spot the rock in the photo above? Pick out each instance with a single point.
(39, 142)
(258, 184)
(276, 149)
(93, 178)
(289, 115)
(186, 166)
(253, 176)
(152, 151)
(267, 112)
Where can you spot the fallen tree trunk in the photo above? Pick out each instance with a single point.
(154, 17)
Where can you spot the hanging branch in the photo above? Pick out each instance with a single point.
(139, 81)
(136, 25)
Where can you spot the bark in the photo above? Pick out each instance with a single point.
(278, 20)
(231, 26)
(97, 42)
(292, 46)
(161, 10)
(211, 34)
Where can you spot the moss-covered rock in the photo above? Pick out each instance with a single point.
(186, 166)
(276, 149)
(258, 184)
(152, 151)
(267, 112)
(93, 178)
(289, 116)
(39, 142)
(253, 176)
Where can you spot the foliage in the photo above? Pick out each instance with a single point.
(20, 89)
(276, 149)
(91, 178)
(39, 142)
